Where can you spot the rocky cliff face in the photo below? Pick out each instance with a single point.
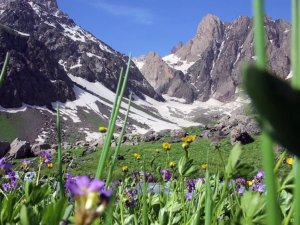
(213, 59)
(48, 51)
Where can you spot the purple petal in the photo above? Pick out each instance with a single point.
(96, 185)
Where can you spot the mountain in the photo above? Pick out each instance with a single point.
(46, 46)
(56, 62)
(211, 62)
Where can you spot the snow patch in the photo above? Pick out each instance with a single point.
(178, 64)
(89, 54)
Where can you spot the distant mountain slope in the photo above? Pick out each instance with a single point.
(212, 60)
(46, 37)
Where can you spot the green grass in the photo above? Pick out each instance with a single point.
(198, 151)
(8, 130)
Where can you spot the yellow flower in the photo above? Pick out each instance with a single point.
(189, 139)
(50, 165)
(137, 156)
(290, 161)
(172, 164)
(103, 129)
(204, 166)
(250, 183)
(166, 146)
(185, 145)
(125, 169)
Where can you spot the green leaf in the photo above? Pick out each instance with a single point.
(233, 159)
(278, 105)
(54, 212)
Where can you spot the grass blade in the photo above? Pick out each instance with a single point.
(111, 128)
(59, 154)
(267, 143)
(4, 69)
(208, 200)
(109, 176)
(296, 84)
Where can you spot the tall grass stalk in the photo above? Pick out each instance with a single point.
(4, 69)
(267, 143)
(59, 153)
(114, 158)
(296, 84)
(112, 123)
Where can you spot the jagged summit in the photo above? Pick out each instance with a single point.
(47, 3)
(212, 60)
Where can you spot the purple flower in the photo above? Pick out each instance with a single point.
(139, 176)
(189, 196)
(131, 197)
(241, 190)
(45, 157)
(82, 185)
(259, 176)
(191, 185)
(240, 181)
(166, 174)
(259, 188)
(4, 166)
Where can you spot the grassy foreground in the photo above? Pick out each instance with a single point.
(202, 151)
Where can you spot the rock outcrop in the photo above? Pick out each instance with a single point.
(49, 51)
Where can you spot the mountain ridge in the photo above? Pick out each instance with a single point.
(212, 60)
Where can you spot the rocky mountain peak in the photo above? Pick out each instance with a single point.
(48, 3)
(210, 26)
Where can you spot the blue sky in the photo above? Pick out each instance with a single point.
(140, 26)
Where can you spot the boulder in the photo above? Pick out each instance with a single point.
(4, 148)
(81, 144)
(151, 135)
(178, 133)
(237, 135)
(36, 148)
(19, 149)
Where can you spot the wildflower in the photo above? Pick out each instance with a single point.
(9, 186)
(189, 196)
(166, 146)
(137, 156)
(241, 190)
(90, 196)
(250, 183)
(25, 165)
(125, 169)
(189, 139)
(191, 185)
(172, 164)
(130, 197)
(29, 176)
(140, 176)
(50, 165)
(259, 176)
(240, 181)
(102, 129)
(290, 161)
(259, 188)
(4, 166)
(185, 145)
(166, 174)
(12, 183)
(204, 166)
(45, 157)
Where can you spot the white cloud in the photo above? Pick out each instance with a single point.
(139, 15)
